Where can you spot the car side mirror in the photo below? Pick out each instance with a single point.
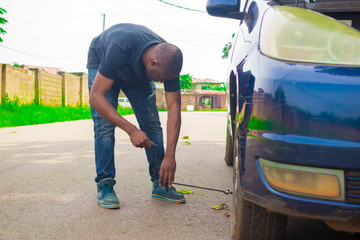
(225, 8)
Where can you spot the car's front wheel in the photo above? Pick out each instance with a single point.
(254, 222)
(250, 221)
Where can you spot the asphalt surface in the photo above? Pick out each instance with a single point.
(48, 191)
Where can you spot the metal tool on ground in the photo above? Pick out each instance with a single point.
(188, 185)
(205, 188)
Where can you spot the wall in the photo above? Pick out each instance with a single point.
(160, 98)
(85, 89)
(217, 99)
(17, 83)
(1, 66)
(50, 88)
(189, 99)
(72, 89)
(43, 87)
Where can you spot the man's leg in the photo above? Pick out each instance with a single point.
(143, 102)
(104, 134)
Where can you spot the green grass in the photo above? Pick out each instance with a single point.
(13, 114)
(210, 110)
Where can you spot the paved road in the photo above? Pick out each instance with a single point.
(48, 191)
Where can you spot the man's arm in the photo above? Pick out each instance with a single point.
(168, 166)
(102, 106)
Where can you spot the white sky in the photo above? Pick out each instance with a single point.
(57, 33)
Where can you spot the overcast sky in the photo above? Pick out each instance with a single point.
(57, 33)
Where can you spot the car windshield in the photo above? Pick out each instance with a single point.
(325, 5)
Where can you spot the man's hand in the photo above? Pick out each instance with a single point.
(139, 139)
(167, 171)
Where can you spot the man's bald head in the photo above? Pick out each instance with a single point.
(162, 61)
(170, 57)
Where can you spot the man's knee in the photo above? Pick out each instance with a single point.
(102, 126)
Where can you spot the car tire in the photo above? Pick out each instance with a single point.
(250, 221)
(229, 152)
(255, 222)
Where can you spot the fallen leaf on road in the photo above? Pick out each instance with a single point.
(226, 214)
(185, 137)
(185, 143)
(221, 206)
(185, 191)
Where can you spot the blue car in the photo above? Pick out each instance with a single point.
(293, 100)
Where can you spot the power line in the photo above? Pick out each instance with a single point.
(108, 10)
(185, 8)
(195, 28)
(157, 20)
(32, 55)
(143, 16)
(146, 16)
(60, 19)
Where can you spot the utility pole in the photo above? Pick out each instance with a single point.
(103, 20)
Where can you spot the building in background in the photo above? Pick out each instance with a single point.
(203, 95)
(52, 70)
(204, 84)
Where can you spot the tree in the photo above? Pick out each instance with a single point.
(2, 21)
(186, 82)
(226, 48)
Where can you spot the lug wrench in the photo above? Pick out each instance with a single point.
(187, 185)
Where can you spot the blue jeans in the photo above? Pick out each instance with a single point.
(143, 101)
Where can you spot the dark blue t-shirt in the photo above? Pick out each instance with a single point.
(117, 53)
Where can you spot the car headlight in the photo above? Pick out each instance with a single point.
(305, 181)
(300, 35)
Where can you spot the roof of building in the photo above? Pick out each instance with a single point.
(206, 80)
(53, 70)
(204, 92)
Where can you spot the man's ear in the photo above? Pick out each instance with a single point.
(154, 62)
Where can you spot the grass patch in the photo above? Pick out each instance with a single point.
(207, 110)
(13, 114)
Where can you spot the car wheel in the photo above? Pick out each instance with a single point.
(250, 221)
(229, 153)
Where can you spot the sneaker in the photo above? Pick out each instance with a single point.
(167, 194)
(106, 196)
